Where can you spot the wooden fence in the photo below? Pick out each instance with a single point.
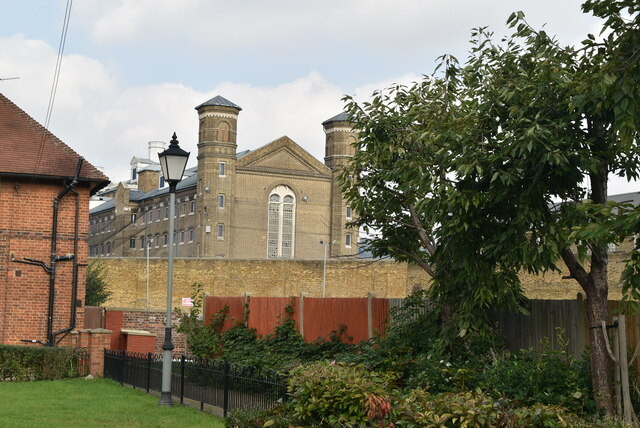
(561, 323)
(314, 317)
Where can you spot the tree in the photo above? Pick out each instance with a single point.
(482, 173)
(96, 292)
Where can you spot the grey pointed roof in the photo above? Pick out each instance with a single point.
(342, 117)
(219, 101)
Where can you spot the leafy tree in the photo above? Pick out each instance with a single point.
(481, 173)
(96, 292)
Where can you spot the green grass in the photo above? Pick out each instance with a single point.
(84, 403)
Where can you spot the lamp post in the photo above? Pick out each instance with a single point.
(173, 162)
(324, 266)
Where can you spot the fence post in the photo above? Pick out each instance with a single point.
(225, 382)
(182, 379)
(149, 356)
(370, 314)
(301, 314)
(124, 366)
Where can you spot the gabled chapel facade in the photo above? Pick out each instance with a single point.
(276, 202)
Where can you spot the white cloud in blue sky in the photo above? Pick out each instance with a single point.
(134, 69)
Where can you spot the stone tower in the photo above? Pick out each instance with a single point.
(339, 150)
(218, 120)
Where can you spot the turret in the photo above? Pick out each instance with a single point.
(218, 120)
(339, 149)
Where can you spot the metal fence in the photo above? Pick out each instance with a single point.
(213, 382)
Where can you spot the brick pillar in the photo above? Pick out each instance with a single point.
(99, 339)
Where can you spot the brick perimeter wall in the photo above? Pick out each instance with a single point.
(126, 279)
(135, 319)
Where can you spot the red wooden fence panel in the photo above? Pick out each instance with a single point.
(215, 304)
(380, 314)
(324, 315)
(265, 313)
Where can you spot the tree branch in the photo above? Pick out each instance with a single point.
(426, 240)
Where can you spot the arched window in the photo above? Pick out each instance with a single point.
(223, 131)
(281, 223)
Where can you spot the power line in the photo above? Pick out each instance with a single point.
(56, 78)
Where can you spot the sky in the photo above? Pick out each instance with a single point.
(133, 70)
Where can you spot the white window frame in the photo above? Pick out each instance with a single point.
(276, 240)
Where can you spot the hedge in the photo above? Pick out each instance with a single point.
(24, 363)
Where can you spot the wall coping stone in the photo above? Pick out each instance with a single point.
(136, 332)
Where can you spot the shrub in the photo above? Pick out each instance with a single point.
(335, 393)
(24, 363)
(549, 377)
(473, 409)
(277, 417)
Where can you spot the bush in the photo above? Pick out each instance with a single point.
(473, 409)
(336, 394)
(24, 363)
(549, 377)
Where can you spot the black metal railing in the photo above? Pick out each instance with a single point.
(214, 382)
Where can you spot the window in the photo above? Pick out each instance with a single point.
(144, 218)
(281, 223)
(150, 216)
(158, 215)
(134, 173)
(222, 169)
(221, 231)
(102, 249)
(220, 201)
(157, 241)
(347, 240)
(132, 243)
(143, 241)
(133, 218)
(108, 248)
(165, 239)
(161, 181)
(191, 235)
(166, 213)
(175, 241)
(184, 208)
(348, 212)
(193, 207)
(182, 237)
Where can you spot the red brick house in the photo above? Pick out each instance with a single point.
(44, 213)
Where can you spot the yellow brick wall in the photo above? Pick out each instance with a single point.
(127, 279)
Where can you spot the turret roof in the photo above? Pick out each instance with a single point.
(219, 101)
(342, 117)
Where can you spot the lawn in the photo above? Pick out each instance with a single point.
(82, 403)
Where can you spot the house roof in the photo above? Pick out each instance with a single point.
(29, 149)
(219, 101)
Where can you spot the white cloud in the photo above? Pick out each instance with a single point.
(108, 124)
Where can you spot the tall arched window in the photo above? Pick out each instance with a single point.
(281, 223)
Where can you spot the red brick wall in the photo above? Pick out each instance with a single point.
(140, 344)
(26, 219)
(152, 321)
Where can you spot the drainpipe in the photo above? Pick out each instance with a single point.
(51, 336)
(51, 270)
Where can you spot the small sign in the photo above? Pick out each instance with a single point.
(187, 302)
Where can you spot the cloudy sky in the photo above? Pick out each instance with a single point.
(133, 70)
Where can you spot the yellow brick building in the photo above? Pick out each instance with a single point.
(277, 202)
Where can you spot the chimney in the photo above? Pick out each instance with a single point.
(155, 147)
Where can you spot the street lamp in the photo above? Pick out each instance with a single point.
(173, 162)
(324, 266)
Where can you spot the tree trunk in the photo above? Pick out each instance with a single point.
(597, 312)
